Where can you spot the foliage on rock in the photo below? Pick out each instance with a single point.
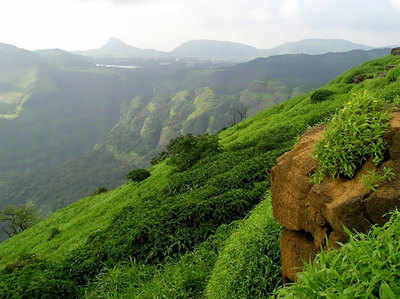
(355, 135)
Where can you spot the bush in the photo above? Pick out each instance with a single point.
(249, 265)
(321, 95)
(100, 190)
(54, 232)
(355, 134)
(186, 150)
(138, 175)
(33, 278)
(393, 75)
(366, 267)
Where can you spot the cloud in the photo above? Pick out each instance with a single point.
(163, 24)
(396, 3)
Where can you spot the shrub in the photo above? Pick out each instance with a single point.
(321, 95)
(249, 265)
(54, 232)
(33, 278)
(366, 267)
(100, 190)
(374, 179)
(393, 75)
(138, 175)
(355, 134)
(186, 150)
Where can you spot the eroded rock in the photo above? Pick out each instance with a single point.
(395, 51)
(317, 213)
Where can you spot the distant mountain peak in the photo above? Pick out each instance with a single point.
(116, 43)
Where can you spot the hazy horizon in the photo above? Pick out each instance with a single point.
(162, 25)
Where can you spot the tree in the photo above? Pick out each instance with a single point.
(138, 175)
(19, 218)
(186, 150)
(238, 112)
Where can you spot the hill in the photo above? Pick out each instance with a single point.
(314, 47)
(186, 101)
(117, 48)
(173, 231)
(215, 50)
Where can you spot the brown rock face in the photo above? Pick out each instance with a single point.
(312, 214)
(396, 51)
(360, 78)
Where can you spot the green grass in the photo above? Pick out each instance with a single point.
(353, 136)
(366, 267)
(78, 221)
(159, 222)
(249, 265)
(182, 278)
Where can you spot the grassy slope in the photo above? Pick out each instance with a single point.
(79, 220)
(272, 131)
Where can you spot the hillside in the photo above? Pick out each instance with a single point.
(55, 105)
(169, 233)
(184, 101)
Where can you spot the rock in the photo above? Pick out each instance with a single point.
(395, 51)
(296, 248)
(360, 78)
(319, 212)
(381, 74)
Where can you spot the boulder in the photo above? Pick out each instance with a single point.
(395, 51)
(312, 214)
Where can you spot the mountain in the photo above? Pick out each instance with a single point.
(188, 233)
(219, 50)
(143, 121)
(117, 48)
(224, 50)
(314, 47)
(215, 50)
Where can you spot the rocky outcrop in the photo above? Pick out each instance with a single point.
(312, 214)
(395, 51)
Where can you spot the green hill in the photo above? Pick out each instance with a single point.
(163, 236)
(97, 124)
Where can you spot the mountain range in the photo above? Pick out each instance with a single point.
(225, 50)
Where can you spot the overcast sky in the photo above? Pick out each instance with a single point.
(163, 24)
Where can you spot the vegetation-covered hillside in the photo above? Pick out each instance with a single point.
(127, 117)
(175, 234)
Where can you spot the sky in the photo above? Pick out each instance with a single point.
(163, 25)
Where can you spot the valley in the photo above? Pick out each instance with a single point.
(80, 127)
